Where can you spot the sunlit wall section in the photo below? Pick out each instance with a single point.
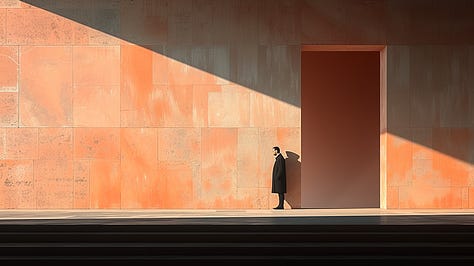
(132, 104)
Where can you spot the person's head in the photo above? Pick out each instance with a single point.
(276, 150)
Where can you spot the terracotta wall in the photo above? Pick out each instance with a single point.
(430, 140)
(176, 104)
(137, 104)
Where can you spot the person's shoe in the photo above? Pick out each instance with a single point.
(278, 208)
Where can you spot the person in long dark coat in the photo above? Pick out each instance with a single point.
(279, 177)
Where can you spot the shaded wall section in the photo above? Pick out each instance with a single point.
(340, 117)
(430, 142)
(176, 104)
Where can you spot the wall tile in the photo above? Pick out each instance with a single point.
(399, 160)
(137, 91)
(54, 184)
(17, 189)
(248, 158)
(8, 109)
(97, 143)
(144, 22)
(201, 103)
(10, 3)
(55, 143)
(81, 180)
(96, 65)
(36, 26)
(96, 106)
(423, 196)
(179, 145)
(9, 63)
(3, 22)
(139, 168)
(229, 108)
(177, 186)
(392, 197)
(105, 184)
(21, 143)
(219, 175)
(46, 86)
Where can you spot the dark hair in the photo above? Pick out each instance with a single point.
(277, 149)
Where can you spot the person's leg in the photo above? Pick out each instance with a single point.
(281, 200)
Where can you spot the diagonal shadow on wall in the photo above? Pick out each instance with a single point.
(219, 37)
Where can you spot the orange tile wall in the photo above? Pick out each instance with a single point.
(118, 104)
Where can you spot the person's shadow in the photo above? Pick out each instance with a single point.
(293, 180)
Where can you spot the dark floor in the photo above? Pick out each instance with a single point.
(223, 237)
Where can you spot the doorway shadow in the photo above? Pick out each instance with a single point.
(293, 180)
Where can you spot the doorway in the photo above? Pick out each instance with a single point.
(341, 126)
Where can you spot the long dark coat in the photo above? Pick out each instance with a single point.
(279, 175)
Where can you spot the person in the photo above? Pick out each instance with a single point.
(279, 177)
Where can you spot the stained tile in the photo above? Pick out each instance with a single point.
(81, 177)
(55, 143)
(9, 3)
(105, 184)
(54, 184)
(8, 109)
(85, 35)
(179, 144)
(8, 66)
(139, 169)
(46, 86)
(17, 189)
(21, 143)
(97, 143)
(35, 26)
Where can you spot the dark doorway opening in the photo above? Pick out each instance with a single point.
(340, 121)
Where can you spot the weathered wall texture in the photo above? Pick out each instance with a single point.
(177, 103)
